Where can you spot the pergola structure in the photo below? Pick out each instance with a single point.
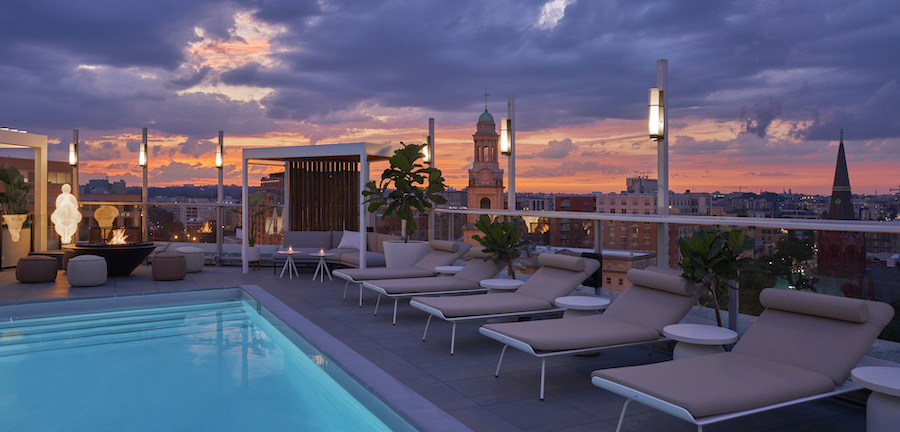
(20, 139)
(335, 174)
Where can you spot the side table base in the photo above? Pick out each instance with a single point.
(882, 412)
(687, 350)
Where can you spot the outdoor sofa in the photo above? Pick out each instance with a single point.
(343, 244)
(801, 348)
(656, 298)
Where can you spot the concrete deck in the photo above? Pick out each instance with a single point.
(463, 385)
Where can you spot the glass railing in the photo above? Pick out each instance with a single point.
(856, 259)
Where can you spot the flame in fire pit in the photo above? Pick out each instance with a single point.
(206, 229)
(118, 237)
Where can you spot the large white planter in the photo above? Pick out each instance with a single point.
(399, 254)
(253, 253)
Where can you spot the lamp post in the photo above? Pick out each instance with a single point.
(142, 161)
(220, 155)
(658, 125)
(73, 161)
(428, 140)
(508, 148)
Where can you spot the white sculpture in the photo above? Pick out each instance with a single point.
(67, 215)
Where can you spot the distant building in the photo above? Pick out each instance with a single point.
(841, 253)
(485, 189)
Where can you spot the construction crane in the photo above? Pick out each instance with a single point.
(739, 188)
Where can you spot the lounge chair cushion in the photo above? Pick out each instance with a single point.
(805, 340)
(650, 307)
(373, 259)
(443, 245)
(720, 383)
(561, 261)
(377, 273)
(425, 285)
(477, 269)
(663, 281)
(816, 305)
(478, 252)
(575, 333)
(552, 281)
(485, 304)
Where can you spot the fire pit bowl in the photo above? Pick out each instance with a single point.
(121, 260)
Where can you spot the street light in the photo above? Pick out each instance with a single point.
(657, 115)
(73, 149)
(142, 161)
(220, 154)
(504, 137)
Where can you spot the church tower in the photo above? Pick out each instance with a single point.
(841, 253)
(485, 178)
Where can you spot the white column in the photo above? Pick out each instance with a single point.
(511, 191)
(363, 179)
(40, 198)
(662, 160)
(245, 221)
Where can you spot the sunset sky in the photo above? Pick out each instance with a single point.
(759, 90)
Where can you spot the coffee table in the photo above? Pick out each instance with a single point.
(883, 405)
(578, 305)
(698, 339)
(288, 264)
(322, 267)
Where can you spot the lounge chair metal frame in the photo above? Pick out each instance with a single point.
(522, 346)
(397, 297)
(433, 312)
(679, 412)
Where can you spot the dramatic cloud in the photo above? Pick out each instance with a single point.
(555, 150)
(572, 168)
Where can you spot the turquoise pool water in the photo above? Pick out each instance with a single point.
(214, 367)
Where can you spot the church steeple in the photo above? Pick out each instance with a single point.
(841, 205)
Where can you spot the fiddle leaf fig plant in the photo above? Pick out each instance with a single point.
(502, 239)
(15, 199)
(258, 208)
(714, 257)
(403, 189)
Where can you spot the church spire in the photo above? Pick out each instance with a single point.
(841, 205)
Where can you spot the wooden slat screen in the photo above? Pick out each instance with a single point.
(323, 195)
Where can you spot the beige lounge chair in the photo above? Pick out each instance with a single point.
(463, 282)
(801, 348)
(656, 298)
(558, 276)
(443, 253)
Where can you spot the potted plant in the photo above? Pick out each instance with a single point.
(502, 239)
(258, 209)
(714, 257)
(14, 200)
(404, 192)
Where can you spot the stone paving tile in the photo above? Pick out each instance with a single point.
(444, 396)
(600, 403)
(488, 390)
(480, 419)
(410, 375)
(384, 358)
(457, 369)
(534, 415)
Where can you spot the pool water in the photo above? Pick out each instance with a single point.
(214, 367)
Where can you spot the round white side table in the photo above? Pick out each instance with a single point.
(577, 306)
(322, 267)
(288, 264)
(448, 270)
(495, 286)
(698, 339)
(883, 405)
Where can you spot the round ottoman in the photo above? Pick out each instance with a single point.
(168, 266)
(36, 268)
(86, 270)
(193, 258)
(67, 255)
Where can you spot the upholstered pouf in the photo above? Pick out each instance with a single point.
(86, 270)
(36, 268)
(168, 266)
(67, 255)
(193, 258)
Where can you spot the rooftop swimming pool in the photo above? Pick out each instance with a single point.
(202, 367)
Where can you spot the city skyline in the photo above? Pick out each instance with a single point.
(758, 91)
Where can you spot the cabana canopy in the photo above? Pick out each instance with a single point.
(361, 153)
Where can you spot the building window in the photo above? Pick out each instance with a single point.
(646, 202)
(601, 202)
(485, 203)
(609, 280)
(624, 202)
(634, 202)
(624, 240)
(612, 210)
(620, 281)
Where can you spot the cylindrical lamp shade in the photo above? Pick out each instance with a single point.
(504, 136)
(656, 117)
(73, 154)
(142, 156)
(426, 149)
(220, 151)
